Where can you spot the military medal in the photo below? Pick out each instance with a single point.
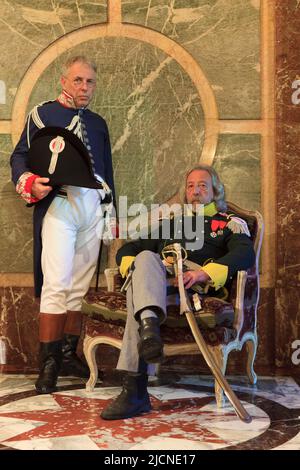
(217, 227)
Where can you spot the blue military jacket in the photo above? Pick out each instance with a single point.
(55, 114)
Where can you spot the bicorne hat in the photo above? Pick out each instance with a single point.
(58, 154)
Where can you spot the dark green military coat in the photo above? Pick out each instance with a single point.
(224, 241)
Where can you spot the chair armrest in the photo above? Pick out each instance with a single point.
(110, 275)
(239, 301)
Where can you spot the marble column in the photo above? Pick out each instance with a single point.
(287, 289)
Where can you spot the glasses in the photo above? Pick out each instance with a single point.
(78, 82)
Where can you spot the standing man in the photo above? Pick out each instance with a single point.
(68, 221)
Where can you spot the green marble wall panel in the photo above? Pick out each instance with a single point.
(152, 108)
(28, 27)
(15, 219)
(222, 35)
(238, 163)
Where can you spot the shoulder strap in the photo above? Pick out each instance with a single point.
(34, 115)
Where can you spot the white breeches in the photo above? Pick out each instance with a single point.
(71, 233)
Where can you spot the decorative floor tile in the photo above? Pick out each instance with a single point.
(184, 417)
(58, 443)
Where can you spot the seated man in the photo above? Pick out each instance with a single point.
(226, 248)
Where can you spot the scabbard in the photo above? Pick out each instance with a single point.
(98, 265)
(215, 369)
(185, 308)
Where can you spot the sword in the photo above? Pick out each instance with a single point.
(99, 258)
(185, 308)
(98, 265)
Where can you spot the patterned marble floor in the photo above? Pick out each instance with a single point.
(184, 416)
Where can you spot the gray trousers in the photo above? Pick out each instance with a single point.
(147, 289)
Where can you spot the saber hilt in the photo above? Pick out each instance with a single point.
(128, 279)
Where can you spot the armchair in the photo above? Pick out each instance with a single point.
(106, 316)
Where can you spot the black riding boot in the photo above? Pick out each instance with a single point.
(50, 361)
(71, 364)
(134, 398)
(150, 346)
